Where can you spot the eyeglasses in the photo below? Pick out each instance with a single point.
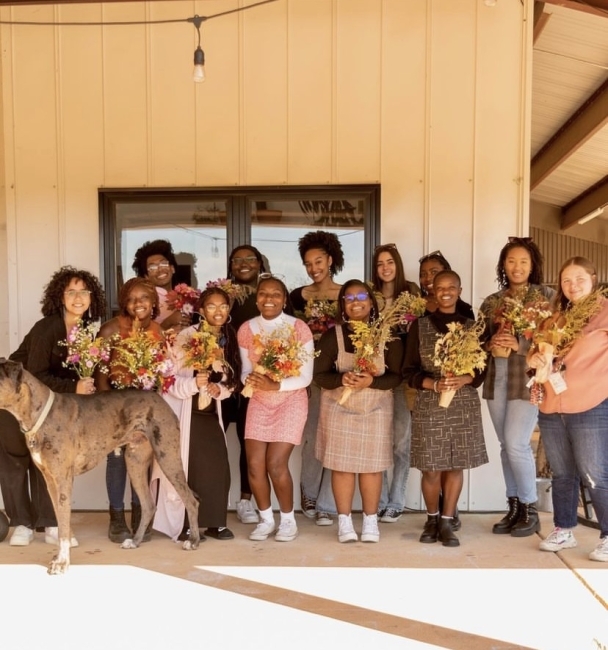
(520, 240)
(385, 246)
(436, 253)
(238, 261)
(351, 297)
(160, 265)
(213, 308)
(72, 293)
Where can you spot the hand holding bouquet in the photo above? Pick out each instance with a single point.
(203, 353)
(86, 350)
(459, 352)
(279, 355)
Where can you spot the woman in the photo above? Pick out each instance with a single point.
(322, 256)
(520, 275)
(388, 278)
(203, 439)
(574, 411)
(430, 265)
(138, 304)
(245, 264)
(445, 441)
(276, 413)
(71, 296)
(355, 438)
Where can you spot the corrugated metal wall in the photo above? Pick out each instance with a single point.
(557, 248)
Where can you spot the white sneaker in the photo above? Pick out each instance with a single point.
(262, 531)
(346, 530)
(22, 536)
(51, 536)
(246, 513)
(288, 531)
(558, 540)
(370, 532)
(600, 553)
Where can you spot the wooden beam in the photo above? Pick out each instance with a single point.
(596, 7)
(589, 118)
(593, 198)
(540, 20)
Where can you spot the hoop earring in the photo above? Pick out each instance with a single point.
(229, 319)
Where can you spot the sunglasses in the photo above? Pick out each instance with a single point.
(385, 246)
(436, 253)
(270, 276)
(351, 297)
(520, 240)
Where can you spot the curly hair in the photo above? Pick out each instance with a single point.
(247, 247)
(128, 286)
(341, 318)
(230, 343)
(560, 299)
(536, 257)
(401, 283)
(156, 247)
(52, 297)
(327, 242)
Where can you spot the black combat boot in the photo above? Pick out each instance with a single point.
(446, 533)
(528, 522)
(505, 525)
(118, 530)
(429, 532)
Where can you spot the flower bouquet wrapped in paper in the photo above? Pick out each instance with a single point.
(86, 350)
(459, 352)
(370, 339)
(413, 307)
(202, 352)
(320, 315)
(518, 313)
(234, 291)
(183, 297)
(280, 355)
(141, 361)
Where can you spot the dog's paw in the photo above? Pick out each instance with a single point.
(128, 543)
(58, 566)
(189, 545)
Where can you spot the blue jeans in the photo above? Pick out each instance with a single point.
(577, 448)
(394, 496)
(514, 421)
(116, 480)
(315, 480)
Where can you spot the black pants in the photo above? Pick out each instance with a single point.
(234, 409)
(25, 505)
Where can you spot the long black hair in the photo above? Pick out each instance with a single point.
(536, 257)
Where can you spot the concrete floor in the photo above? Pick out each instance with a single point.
(492, 592)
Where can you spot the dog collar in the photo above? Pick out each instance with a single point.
(42, 416)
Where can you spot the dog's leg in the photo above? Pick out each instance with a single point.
(60, 491)
(138, 459)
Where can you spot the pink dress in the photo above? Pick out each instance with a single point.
(276, 416)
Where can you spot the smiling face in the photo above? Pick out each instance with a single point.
(428, 270)
(576, 282)
(447, 291)
(386, 269)
(270, 298)
(76, 298)
(159, 271)
(518, 267)
(317, 264)
(357, 303)
(140, 303)
(245, 266)
(215, 310)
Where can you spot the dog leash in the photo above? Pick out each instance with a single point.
(41, 417)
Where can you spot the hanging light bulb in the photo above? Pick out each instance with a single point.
(198, 76)
(215, 251)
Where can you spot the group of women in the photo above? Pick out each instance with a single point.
(392, 418)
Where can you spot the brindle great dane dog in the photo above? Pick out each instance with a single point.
(69, 434)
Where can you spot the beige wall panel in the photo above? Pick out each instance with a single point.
(264, 98)
(358, 82)
(171, 96)
(125, 91)
(4, 274)
(35, 159)
(403, 128)
(451, 153)
(310, 92)
(218, 129)
(81, 136)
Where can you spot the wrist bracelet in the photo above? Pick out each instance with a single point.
(435, 385)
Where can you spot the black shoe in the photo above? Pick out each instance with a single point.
(456, 523)
(446, 534)
(505, 525)
(430, 530)
(528, 522)
(220, 533)
(118, 530)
